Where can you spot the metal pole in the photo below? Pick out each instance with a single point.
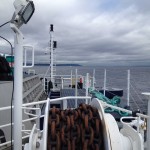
(104, 82)
(148, 126)
(128, 88)
(148, 121)
(76, 89)
(62, 82)
(18, 75)
(87, 86)
(51, 50)
(25, 57)
(94, 79)
(65, 104)
(71, 79)
(44, 83)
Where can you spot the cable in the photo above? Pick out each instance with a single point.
(4, 24)
(13, 84)
(9, 44)
(136, 93)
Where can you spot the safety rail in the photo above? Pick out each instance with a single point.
(68, 81)
(63, 81)
(36, 116)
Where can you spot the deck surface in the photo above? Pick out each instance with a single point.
(71, 92)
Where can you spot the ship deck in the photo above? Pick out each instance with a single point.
(71, 92)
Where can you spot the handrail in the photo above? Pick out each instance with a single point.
(124, 110)
(8, 142)
(44, 101)
(48, 101)
(25, 107)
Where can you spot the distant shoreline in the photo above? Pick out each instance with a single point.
(58, 65)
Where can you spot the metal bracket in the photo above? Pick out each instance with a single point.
(27, 48)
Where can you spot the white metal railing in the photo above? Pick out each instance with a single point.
(37, 115)
(68, 79)
(63, 81)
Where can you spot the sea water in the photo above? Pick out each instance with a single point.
(116, 78)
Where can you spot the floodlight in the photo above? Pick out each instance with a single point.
(27, 12)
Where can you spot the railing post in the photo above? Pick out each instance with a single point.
(62, 82)
(93, 79)
(71, 80)
(44, 83)
(128, 88)
(64, 104)
(87, 86)
(148, 121)
(76, 88)
(104, 82)
(38, 113)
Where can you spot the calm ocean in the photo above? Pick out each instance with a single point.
(116, 78)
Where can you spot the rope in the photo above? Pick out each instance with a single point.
(114, 102)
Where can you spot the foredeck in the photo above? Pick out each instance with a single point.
(71, 92)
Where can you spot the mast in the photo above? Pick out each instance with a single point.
(23, 12)
(51, 52)
(53, 45)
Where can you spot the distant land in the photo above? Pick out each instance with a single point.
(58, 65)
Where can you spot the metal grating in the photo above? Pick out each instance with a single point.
(71, 92)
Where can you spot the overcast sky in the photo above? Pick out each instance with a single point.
(89, 32)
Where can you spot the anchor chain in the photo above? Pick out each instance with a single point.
(75, 129)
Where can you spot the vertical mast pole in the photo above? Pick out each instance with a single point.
(51, 53)
(18, 75)
(16, 22)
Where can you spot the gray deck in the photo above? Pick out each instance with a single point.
(71, 92)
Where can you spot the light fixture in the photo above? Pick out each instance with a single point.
(24, 10)
(27, 12)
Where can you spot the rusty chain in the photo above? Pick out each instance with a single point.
(75, 129)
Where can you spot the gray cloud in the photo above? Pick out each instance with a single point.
(106, 32)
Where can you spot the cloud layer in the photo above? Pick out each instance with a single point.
(98, 32)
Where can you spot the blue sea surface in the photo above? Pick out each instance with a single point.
(116, 78)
